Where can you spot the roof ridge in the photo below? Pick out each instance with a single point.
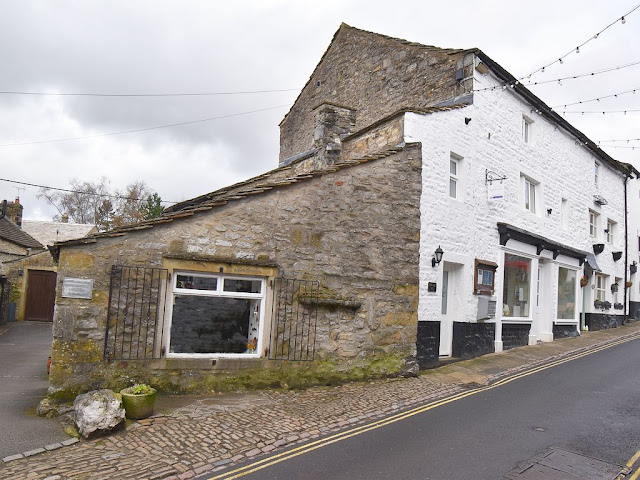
(222, 200)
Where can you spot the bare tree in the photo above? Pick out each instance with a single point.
(93, 203)
(82, 202)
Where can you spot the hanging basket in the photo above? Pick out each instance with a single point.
(629, 284)
(584, 281)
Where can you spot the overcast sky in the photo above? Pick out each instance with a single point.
(189, 46)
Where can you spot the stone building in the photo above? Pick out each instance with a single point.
(418, 208)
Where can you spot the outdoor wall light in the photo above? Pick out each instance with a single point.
(438, 256)
(549, 210)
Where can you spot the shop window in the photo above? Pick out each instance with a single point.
(484, 277)
(566, 294)
(216, 314)
(517, 286)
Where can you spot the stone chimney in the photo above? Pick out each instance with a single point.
(64, 218)
(14, 212)
(333, 123)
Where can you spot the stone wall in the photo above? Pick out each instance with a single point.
(564, 331)
(515, 335)
(355, 230)
(428, 344)
(376, 76)
(602, 321)
(473, 339)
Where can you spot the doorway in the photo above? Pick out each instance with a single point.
(449, 305)
(41, 296)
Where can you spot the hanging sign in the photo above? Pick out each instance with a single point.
(495, 190)
(495, 187)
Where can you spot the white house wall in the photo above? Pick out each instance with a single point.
(466, 228)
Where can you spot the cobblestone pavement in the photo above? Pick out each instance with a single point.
(210, 433)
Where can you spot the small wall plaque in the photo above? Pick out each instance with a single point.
(77, 288)
(431, 287)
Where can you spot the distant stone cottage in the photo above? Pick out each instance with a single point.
(325, 267)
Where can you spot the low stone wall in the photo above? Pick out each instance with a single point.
(515, 335)
(428, 344)
(602, 321)
(564, 331)
(473, 339)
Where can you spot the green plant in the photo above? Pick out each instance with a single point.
(14, 294)
(141, 389)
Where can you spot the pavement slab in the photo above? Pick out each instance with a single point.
(195, 435)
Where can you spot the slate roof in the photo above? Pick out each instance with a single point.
(280, 177)
(48, 233)
(10, 232)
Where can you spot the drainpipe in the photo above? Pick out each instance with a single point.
(626, 247)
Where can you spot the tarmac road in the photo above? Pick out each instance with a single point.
(588, 406)
(24, 348)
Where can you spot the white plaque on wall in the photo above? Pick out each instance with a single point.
(495, 190)
(77, 288)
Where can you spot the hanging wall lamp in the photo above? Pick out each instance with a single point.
(438, 257)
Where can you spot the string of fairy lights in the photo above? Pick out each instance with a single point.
(561, 109)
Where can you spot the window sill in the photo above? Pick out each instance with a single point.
(516, 320)
(213, 356)
(565, 322)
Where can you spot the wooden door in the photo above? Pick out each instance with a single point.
(41, 295)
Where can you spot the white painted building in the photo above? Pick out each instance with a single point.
(516, 201)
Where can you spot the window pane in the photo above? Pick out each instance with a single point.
(213, 324)
(244, 286)
(453, 188)
(532, 198)
(566, 293)
(527, 187)
(453, 167)
(195, 282)
(487, 278)
(517, 282)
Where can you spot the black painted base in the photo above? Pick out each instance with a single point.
(634, 310)
(602, 321)
(473, 339)
(564, 331)
(515, 335)
(428, 344)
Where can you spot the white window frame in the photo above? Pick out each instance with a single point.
(529, 299)
(219, 292)
(455, 177)
(530, 186)
(600, 292)
(527, 129)
(611, 226)
(576, 310)
(594, 222)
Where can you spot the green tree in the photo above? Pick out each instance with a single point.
(152, 207)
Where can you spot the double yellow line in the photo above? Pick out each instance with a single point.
(632, 461)
(308, 447)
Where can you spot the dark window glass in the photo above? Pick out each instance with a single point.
(244, 286)
(211, 324)
(194, 282)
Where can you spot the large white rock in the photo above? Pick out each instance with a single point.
(99, 411)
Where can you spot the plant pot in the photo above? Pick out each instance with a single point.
(584, 282)
(139, 406)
